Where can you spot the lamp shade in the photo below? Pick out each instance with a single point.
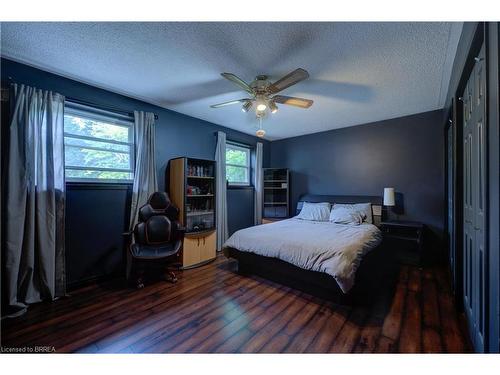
(389, 197)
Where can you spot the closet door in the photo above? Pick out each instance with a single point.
(468, 226)
(449, 208)
(475, 203)
(479, 203)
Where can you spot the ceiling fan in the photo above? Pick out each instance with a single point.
(262, 93)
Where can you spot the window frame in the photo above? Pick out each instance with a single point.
(112, 118)
(248, 150)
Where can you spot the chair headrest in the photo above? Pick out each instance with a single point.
(158, 204)
(159, 200)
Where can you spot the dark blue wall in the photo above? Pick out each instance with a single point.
(95, 220)
(241, 212)
(97, 217)
(405, 153)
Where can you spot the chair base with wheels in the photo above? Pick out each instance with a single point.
(142, 268)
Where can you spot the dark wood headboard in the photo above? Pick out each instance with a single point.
(376, 202)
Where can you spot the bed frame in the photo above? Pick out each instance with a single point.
(375, 271)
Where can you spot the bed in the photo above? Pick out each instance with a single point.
(333, 261)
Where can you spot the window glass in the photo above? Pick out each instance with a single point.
(97, 148)
(237, 164)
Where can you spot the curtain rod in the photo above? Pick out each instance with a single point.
(84, 102)
(236, 142)
(108, 108)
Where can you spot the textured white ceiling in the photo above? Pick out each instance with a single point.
(360, 72)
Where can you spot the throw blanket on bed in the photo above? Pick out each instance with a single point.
(336, 249)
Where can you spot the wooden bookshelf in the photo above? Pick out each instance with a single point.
(192, 188)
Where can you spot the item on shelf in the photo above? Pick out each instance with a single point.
(200, 171)
(194, 190)
(198, 226)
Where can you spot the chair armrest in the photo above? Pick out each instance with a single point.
(128, 237)
(179, 231)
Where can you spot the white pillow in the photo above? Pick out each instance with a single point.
(314, 211)
(364, 208)
(342, 215)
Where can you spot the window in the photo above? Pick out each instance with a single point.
(237, 165)
(98, 145)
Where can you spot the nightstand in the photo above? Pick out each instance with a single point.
(406, 239)
(269, 220)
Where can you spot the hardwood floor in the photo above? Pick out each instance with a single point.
(214, 310)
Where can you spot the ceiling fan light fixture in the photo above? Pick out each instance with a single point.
(261, 107)
(262, 95)
(261, 103)
(246, 107)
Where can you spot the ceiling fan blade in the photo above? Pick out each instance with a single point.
(229, 103)
(238, 81)
(292, 100)
(290, 79)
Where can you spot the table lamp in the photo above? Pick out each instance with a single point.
(389, 199)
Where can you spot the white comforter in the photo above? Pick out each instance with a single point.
(336, 249)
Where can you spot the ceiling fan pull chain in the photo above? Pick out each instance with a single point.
(261, 132)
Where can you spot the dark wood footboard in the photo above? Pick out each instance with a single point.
(374, 275)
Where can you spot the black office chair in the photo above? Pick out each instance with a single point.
(156, 240)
